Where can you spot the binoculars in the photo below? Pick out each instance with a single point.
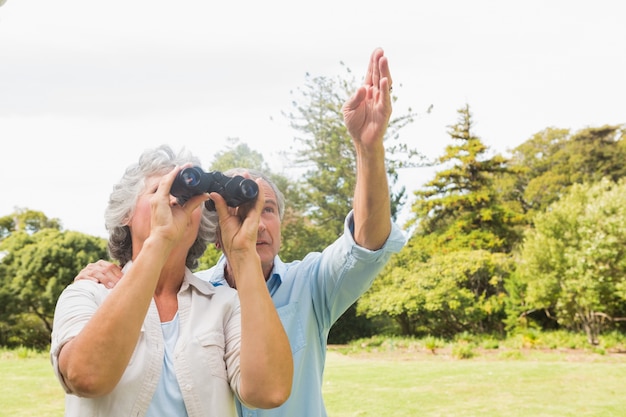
(193, 181)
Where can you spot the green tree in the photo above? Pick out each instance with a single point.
(459, 208)
(26, 220)
(449, 278)
(446, 294)
(546, 165)
(238, 154)
(572, 263)
(34, 271)
(528, 161)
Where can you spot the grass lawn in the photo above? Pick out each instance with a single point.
(537, 384)
(28, 387)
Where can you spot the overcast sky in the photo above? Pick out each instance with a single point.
(86, 86)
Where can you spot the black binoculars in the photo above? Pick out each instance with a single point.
(193, 181)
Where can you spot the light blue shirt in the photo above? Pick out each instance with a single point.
(168, 399)
(310, 295)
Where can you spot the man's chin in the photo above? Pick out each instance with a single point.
(265, 253)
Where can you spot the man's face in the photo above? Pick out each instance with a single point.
(268, 238)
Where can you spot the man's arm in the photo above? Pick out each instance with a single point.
(266, 360)
(366, 115)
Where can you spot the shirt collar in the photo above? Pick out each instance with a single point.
(217, 277)
(189, 280)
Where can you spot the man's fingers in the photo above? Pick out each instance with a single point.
(104, 272)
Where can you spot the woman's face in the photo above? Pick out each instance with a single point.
(140, 221)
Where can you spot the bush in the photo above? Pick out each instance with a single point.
(463, 350)
(28, 331)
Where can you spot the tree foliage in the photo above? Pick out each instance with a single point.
(446, 294)
(26, 220)
(573, 262)
(460, 209)
(34, 271)
(466, 267)
(238, 154)
(551, 161)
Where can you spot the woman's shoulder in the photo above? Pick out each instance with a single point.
(86, 287)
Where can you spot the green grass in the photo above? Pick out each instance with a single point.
(537, 384)
(402, 378)
(28, 387)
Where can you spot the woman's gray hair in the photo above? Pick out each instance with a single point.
(254, 174)
(123, 198)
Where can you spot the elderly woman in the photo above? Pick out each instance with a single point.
(163, 342)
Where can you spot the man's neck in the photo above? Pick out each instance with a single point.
(231, 280)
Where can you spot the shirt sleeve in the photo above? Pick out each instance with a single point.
(345, 270)
(232, 339)
(76, 305)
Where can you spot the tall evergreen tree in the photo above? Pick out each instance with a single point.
(460, 207)
(450, 277)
